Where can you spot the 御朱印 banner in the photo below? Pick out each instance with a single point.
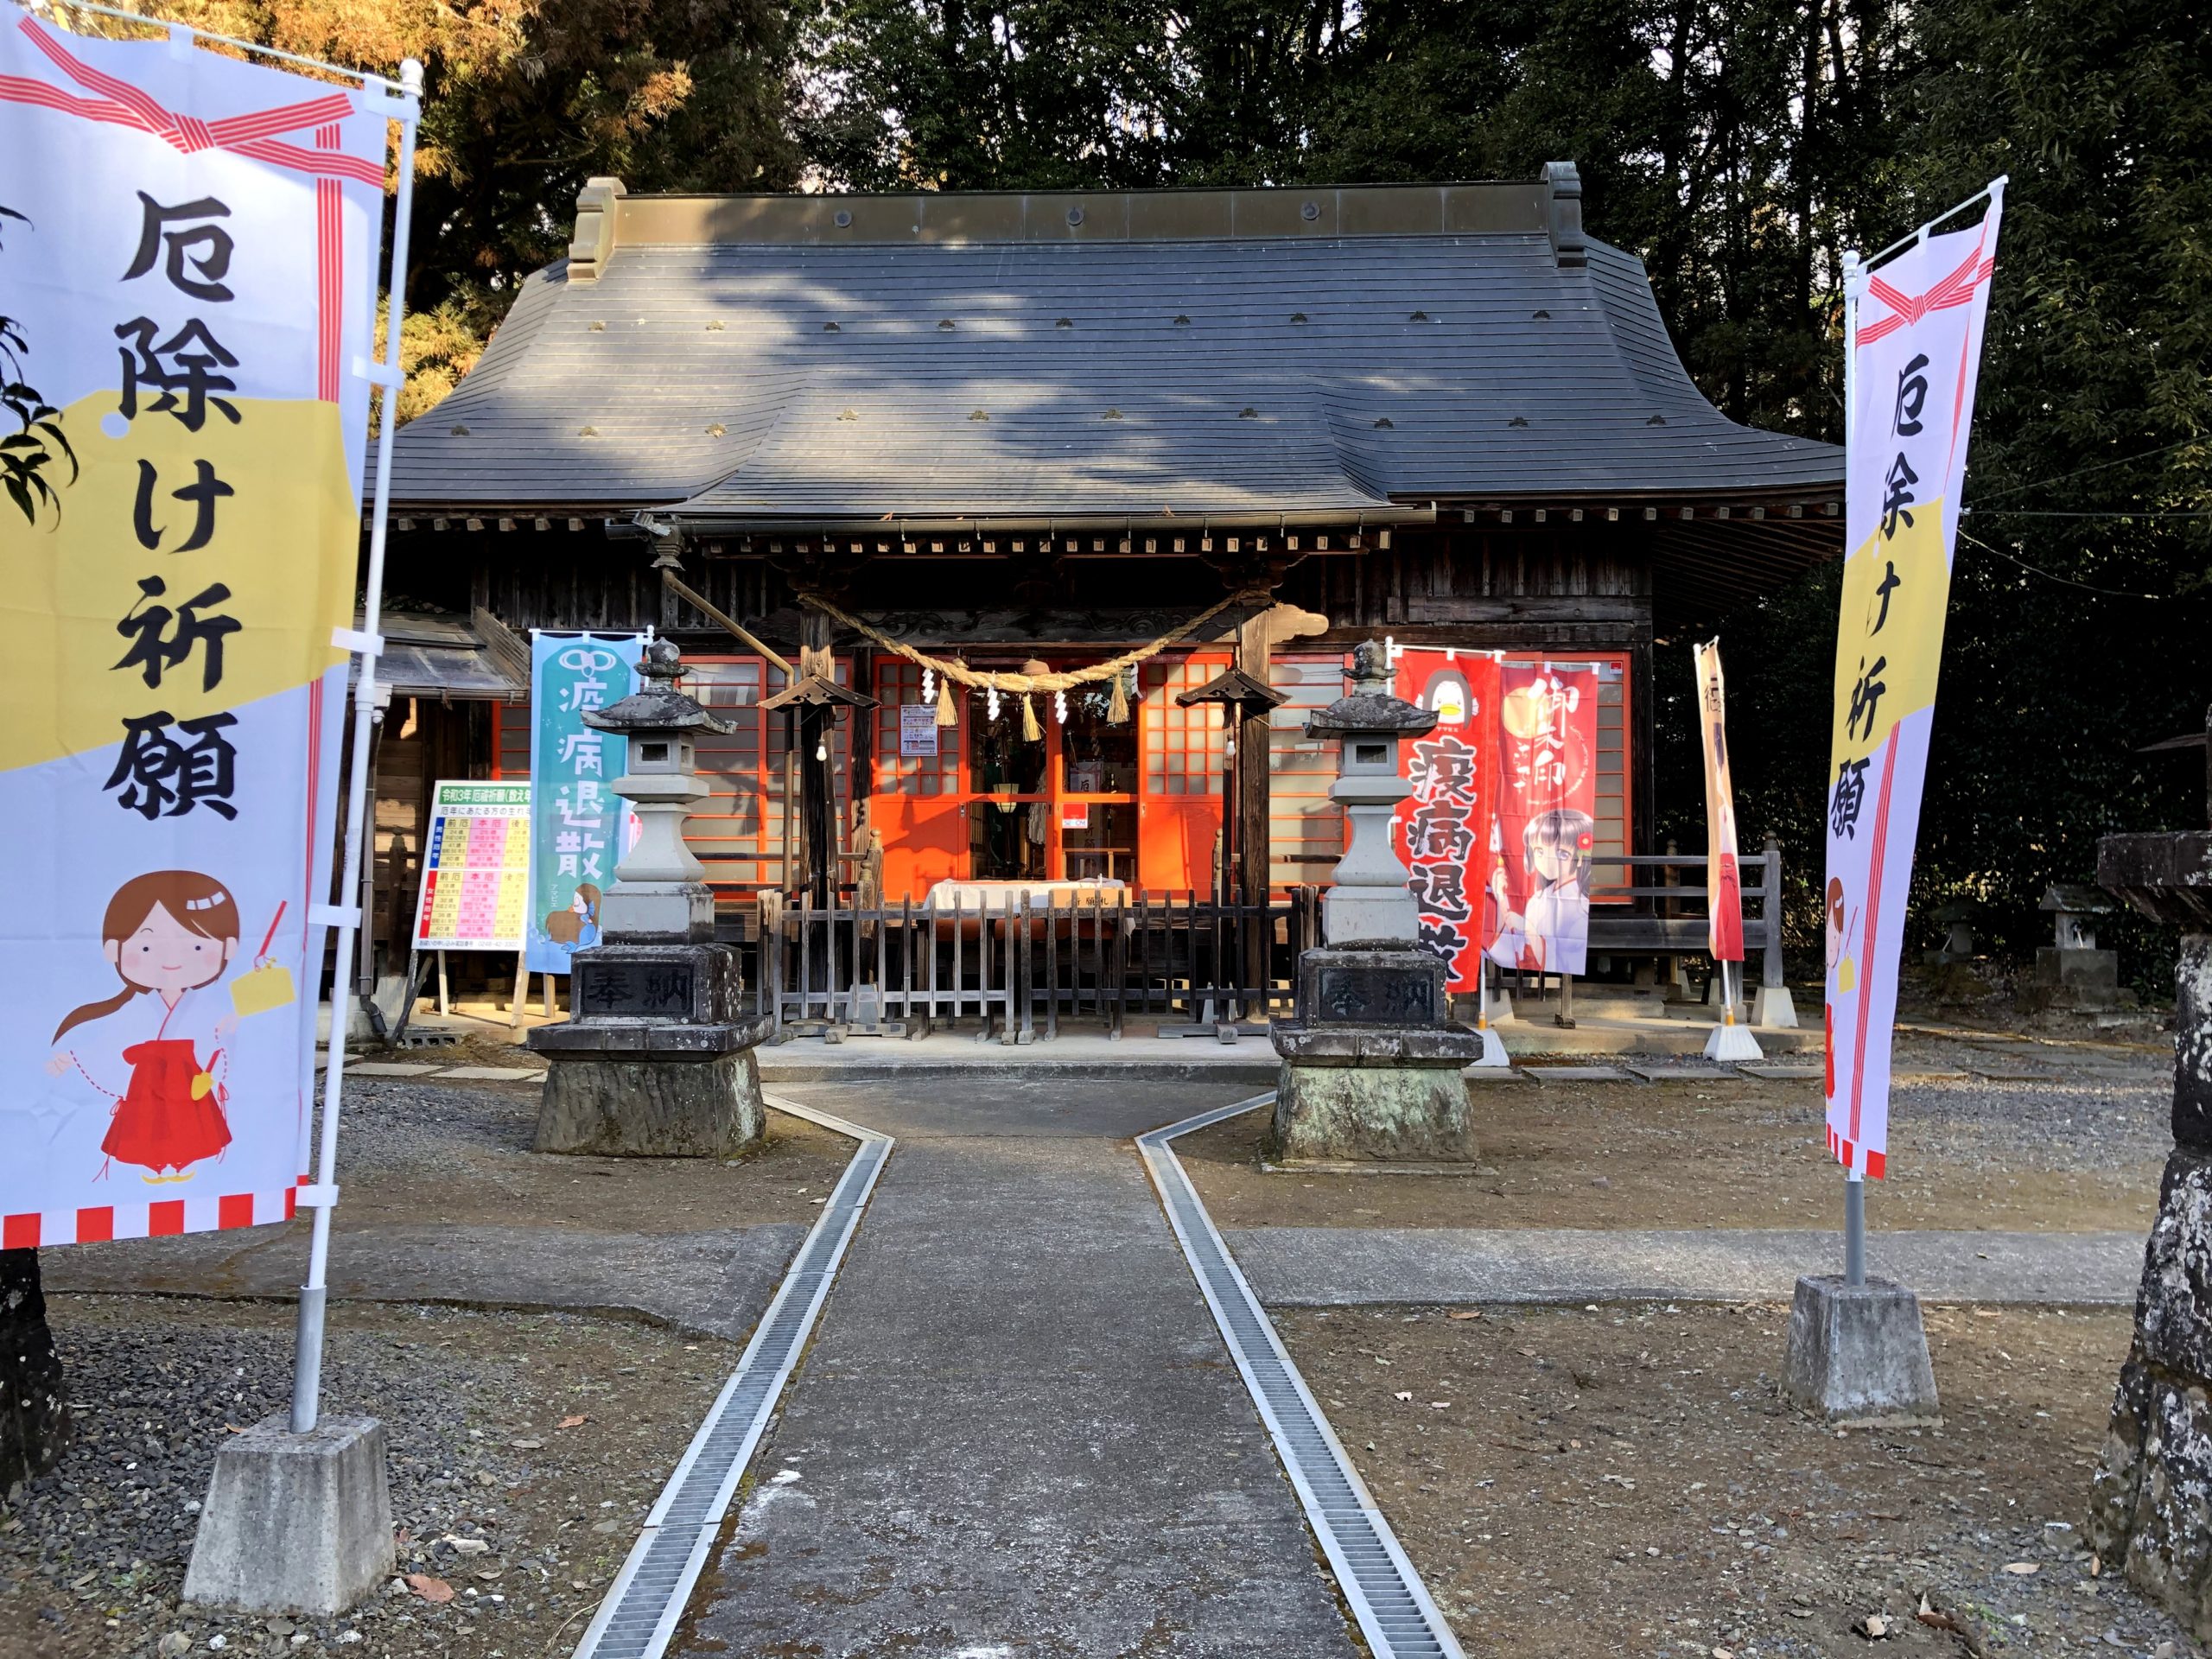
(1546, 826)
(1916, 349)
(187, 257)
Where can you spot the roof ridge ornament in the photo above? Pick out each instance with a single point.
(593, 245)
(1563, 183)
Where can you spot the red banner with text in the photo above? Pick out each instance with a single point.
(1546, 819)
(1446, 828)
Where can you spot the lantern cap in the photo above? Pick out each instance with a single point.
(657, 707)
(1372, 710)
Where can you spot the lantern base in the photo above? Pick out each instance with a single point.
(1370, 1114)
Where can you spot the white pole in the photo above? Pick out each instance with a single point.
(307, 1376)
(1854, 280)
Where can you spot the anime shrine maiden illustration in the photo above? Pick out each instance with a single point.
(161, 1058)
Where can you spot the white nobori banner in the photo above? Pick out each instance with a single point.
(187, 256)
(1915, 345)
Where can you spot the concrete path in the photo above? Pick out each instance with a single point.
(1344, 1265)
(714, 1284)
(1017, 1431)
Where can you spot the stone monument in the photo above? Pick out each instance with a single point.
(657, 1060)
(2151, 1500)
(1370, 1063)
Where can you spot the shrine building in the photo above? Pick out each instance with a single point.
(1047, 428)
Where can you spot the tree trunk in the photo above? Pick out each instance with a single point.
(34, 1409)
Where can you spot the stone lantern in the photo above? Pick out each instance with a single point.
(1370, 1064)
(658, 1059)
(2071, 974)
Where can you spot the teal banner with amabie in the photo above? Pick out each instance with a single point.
(578, 828)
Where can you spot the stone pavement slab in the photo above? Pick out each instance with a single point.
(713, 1284)
(1017, 1430)
(1579, 1074)
(1345, 1266)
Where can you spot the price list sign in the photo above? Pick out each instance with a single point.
(475, 868)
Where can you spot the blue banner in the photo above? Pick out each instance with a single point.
(577, 831)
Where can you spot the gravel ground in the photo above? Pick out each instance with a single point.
(524, 1452)
(1587, 1484)
(415, 1150)
(2080, 1153)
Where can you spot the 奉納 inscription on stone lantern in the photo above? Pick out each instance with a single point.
(1372, 996)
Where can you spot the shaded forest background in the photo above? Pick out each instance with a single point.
(1737, 146)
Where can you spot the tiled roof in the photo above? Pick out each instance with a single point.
(773, 378)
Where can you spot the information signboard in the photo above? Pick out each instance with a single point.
(475, 868)
(916, 731)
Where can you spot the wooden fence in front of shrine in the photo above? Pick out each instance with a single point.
(1017, 966)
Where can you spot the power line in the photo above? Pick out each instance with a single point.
(2098, 467)
(2046, 512)
(2052, 576)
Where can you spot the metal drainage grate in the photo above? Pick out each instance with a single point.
(1386, 1595)
(649, 1594)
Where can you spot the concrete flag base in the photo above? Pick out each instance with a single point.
(294, 1523)
(1493, 1048)
(1858, 1353)
(1730, 1041)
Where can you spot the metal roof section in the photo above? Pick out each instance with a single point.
(441, 654)
(1235, 356)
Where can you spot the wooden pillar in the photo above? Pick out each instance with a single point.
(817, 776)
(1253, 640)
(667, 554)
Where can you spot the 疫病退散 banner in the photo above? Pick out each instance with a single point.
(187, 262)
(1918, 332)
(1444, 826)
(579, 826)
(1724, 878)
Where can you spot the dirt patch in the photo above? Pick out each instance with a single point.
(92, 1556)
(2076, 1155)
(414, 1150)
(1589, 1484)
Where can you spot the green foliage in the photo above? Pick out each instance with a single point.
(525, 99)
(2099, 353)
(27, 453)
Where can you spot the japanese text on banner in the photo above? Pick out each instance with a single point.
(1547, 835)
(179, 532)
(1444, 828)
(579, 829)
(1918, 329)
(1724, 879)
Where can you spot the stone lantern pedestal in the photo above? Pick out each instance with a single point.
(2151, 1501)
(1370, 1063)
(658, 1059)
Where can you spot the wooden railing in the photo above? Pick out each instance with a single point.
(1019, 965)
(1667, 916)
